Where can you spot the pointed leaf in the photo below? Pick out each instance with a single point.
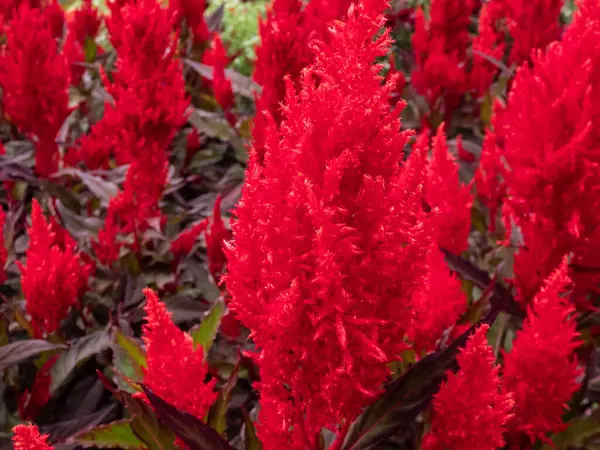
(196, 434)
(20, 351)
(133, 350)
(66, 429)
(251, 441)
(112, 435)
(218, 412)
(80, 350)
(205, 333)
(104, 190)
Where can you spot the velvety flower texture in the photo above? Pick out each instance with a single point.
(28, 437)
(216, 56)
(54, 276)
(192, 11)
(284, 50)
(469, 411)
(547, 339)
(330, 240)
(216, 236)
(440, 44)
(37, 108)
(176, 370)
(183, 244)
(546, 147)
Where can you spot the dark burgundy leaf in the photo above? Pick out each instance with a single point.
(64, 430)
(20, 351)
(196, 434)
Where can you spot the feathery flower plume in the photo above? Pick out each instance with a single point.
(469, 411)
(37, 108)
(192, 11)
(547, 339)
(176, 370)
(54, 276)
(183, 244)
(329, 242)
(216, 237)
(216, 56)
(546, 150)
(440, 44)
(82, 25)
(28, 437)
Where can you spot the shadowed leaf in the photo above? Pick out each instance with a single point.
(218, 412)
(205, 333)
(112, 435)
(20, 351)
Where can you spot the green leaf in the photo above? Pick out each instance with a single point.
(80, 350)
(251, 441)
(205, 333)
(218, 412)
(579, 432)
(19, 351)
(116, 434)
(133, 350)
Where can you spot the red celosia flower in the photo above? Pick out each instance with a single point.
(216, 236)
(3, 251)
(546, 150)
(107, 247)
(444, 192)
(28, 437)
(548, 339)
(490, 189)
(487, 42)
(469, 411)
(192, 11)
(440, 45)
(532, 25)
(216, 56)
(54, 276)
(329, 241)
(176, 370)
(462, 152)
(31, 403)
(284, 50)
(438, 305)
(83, 26)
(183, 244)
(37, 104)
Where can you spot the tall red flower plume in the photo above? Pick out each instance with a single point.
(216, 237)
(438, 305)
(192, 11)
(28, 437)
(443, 191)
(547, 339)
(3, 250)
(469, 411)
(32, 402)
(183, 244)
(440, 44)
(546, 150)
(216, 56)
(284, 50)
(83, 26)
(54, 276)
(37, 106)
(176, 370)
(329, 240)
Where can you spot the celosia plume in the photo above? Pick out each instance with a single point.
(176, 370)
(216, 56)
(216, 237)
(37, 108)
(192, 12)
(3, 250)
(28, 437)
(329, 240)
(183, 244)
(548, 339)
(470, 411)
(54, 276)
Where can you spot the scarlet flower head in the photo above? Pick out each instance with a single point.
(37, 107)
(54, 276)
(176, 370)
(329, 240)
(3, 250)
(548, 339)
(192, 11)
(183, 244)
(28, 437)
(216, 237)
(470, 411)
(216, 56)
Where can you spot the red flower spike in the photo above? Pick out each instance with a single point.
(216, 237)
(438, 305)
(443, 191)
(329, 240)
(216, 56)
(183, 244)
(549, 338)
(490, 188)
(176, 370)
(192, 11)
(54, 276)
(28, 437)
(38, 109)
(469, 411)
(32, 402)
(463, 154)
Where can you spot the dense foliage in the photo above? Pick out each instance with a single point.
(332, 225)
